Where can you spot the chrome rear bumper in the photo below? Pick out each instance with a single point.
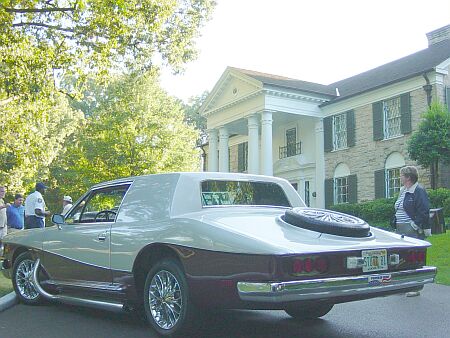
(363, 285)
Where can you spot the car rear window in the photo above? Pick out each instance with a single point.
(223, 192)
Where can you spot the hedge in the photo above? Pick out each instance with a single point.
(381, 210)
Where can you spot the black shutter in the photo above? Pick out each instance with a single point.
(380, 183)
(241, 155)
(447, 98)
(377, 113)
(352, 189)
(405, 110)
(329, 192)
(328, 134)
(350, 128)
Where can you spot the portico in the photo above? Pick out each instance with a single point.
(257, 126)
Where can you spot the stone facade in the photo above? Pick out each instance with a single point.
(368, 155)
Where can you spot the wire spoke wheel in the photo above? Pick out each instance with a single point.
(24, 280)
(165, 299)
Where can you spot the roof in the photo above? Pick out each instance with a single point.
(281, 81)
(409, 66)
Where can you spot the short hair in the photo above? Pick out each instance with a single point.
(17, 196)
(410, 172)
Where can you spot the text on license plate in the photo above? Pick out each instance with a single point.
(374, 260)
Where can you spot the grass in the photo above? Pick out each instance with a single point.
(5, 285)
(439, 255)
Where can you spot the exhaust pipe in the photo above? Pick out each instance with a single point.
(116, 307)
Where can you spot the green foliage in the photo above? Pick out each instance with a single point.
(32, 134)
(40, 37)
(440, 198)
(192, 116)
(431, 142)
(135, 129)
(380, 210)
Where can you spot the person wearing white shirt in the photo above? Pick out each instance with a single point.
(67, 204)
(35, 208)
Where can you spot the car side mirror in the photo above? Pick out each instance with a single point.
(58, 220)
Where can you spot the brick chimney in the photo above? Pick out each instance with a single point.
(438, 35)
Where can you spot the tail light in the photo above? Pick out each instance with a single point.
(309, 265)
(415, 256)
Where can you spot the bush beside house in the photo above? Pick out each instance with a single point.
(381, 210)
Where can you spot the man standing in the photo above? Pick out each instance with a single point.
(35, 208)
(3, 221)
(15, 214)
(67, 204)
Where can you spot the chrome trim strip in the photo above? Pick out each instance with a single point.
(88, 285)
(274, 292)
(73, 300)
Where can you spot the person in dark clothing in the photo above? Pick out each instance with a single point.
(412, 209)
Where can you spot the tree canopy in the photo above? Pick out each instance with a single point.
(135, 129)
(431, 142)
(41, 40)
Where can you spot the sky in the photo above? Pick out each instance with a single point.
(320, 41)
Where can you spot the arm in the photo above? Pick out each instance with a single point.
(422, 206)
(39, 212)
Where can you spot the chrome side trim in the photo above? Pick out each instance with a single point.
(274, 292)
(88, 285)
(73, 300)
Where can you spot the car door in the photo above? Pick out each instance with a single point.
(77, 253)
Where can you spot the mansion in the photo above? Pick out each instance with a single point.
(337, 143)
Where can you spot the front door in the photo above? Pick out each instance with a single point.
(78, 252)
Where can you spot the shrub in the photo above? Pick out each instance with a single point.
(381, 210)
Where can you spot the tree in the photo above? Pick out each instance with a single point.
(135, 129)
(32, 134)
(430, 144)
(41, 40)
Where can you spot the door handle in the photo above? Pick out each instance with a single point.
(102, 236)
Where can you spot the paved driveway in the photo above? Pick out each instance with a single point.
(396, 316)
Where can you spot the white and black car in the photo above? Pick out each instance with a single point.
(181, 243)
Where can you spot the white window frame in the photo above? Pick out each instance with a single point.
(393, 183)
(391, 118)
(341, 190)
(340, 131)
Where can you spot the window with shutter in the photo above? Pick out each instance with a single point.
(377, 113)
(341, 190)
(380, 183)
(242, 157)
(328, 134)
(392, 117)
(339, 131)
(350, 128)
(405, 108)
(352, 189)
(329, 192)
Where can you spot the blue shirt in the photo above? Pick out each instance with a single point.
(15, 216)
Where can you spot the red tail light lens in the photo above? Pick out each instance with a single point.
(415, 257)
(310, 265)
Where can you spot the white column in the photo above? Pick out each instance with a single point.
(223, 150)
(212, 153)
(266, 143)
(253, 145)
(319, 200)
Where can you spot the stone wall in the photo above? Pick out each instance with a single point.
(368, 155)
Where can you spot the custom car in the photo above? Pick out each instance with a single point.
(176, 245)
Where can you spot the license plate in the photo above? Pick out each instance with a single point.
(374, 260)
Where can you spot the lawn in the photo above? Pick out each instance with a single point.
(5, 285)
(439, 255)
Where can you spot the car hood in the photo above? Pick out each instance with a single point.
(261, 230)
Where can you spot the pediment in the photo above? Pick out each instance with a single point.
(231, 87)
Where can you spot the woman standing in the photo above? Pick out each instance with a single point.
(412, 206)
(412, 209)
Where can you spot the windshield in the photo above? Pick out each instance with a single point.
(218, 192)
